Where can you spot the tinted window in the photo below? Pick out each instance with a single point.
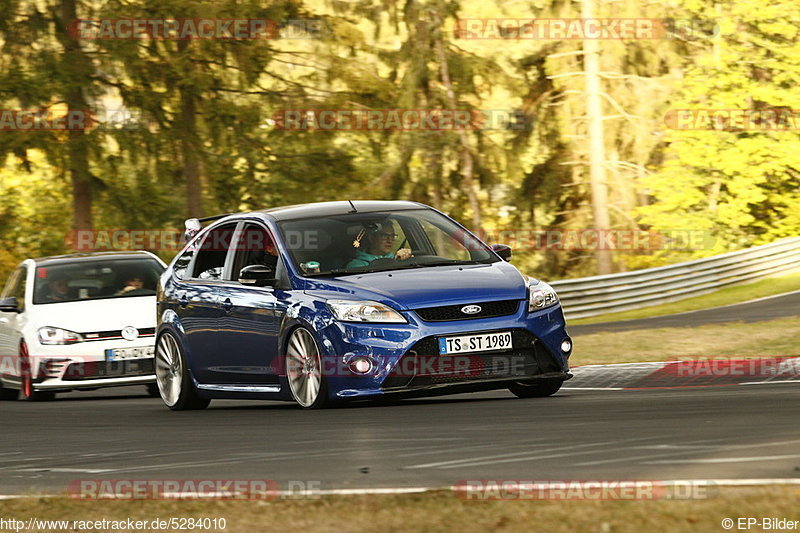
(96, 279)
(377, 241)
(254, 246)
(182, 262)
(210, 261)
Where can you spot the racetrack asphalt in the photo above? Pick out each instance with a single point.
(769, 308)
(738, 431)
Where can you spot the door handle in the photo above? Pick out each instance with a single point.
(227, 305)
(183, 300)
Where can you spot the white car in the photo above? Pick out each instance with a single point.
(81, 321)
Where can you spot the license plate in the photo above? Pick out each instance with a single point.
(483, 342)
(124, 354)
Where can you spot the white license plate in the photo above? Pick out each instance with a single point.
(123, 354)
(484, 342)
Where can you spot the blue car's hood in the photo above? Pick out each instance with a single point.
(426, 287)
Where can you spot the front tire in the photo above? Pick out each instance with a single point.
(26, 379)
(152, 390)
(172, 377)
(7, 394)
(536, 389)
(304, 370)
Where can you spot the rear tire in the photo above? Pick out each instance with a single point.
(172, 377)
(26, 379)
(536, 389)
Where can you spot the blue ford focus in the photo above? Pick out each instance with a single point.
(324, 303)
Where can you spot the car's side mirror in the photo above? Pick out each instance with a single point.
(503, 250)
(258, 275)
(9, 305)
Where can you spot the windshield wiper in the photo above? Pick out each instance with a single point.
(398, 266)
(338, 272)
(449, 262)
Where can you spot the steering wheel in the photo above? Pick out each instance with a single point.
(139, 292)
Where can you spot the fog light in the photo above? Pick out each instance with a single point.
(360, 365)
(566, 345)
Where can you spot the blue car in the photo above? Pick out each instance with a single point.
(324, 303)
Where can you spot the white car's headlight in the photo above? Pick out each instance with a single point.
(49, 335)
(540, 295)
(364, 311)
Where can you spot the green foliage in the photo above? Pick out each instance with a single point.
(741, 185)
(201, 136)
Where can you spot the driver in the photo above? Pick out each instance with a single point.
(132, 284)
(380, 240)
(58, 288)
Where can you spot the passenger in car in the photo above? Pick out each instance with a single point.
(380, 241)
(266, 255)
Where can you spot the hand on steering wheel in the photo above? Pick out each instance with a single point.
(403, 253)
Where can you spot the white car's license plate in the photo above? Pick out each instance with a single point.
(483, 342)
(122, 354)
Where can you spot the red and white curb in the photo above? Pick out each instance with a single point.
(699, 372)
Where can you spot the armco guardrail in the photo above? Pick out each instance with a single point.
(597, 295)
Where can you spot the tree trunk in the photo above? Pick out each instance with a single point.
(192, 170)
(597, 162)
(467, 161)
(77, 69)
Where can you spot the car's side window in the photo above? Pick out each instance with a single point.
(19, 290)
(182, 263)
(255, 245)
(210, 261)
(15, 286)
(8, 290)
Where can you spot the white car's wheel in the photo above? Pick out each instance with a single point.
(7, 394)
(26, 378)
(172, 376)
(304, 370)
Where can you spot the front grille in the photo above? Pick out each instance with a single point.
(453, 312)
(114, 334)
(109, 369)
(422, 366)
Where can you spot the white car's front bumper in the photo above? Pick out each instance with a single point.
(84, 365)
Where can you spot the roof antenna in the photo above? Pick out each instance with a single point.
(353, 206)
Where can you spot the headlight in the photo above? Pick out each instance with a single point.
(349, 311)
(540, 295)
(50, 335)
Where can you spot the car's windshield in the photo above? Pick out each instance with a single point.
(378, 241)
(96, 279)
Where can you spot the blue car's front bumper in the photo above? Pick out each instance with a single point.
(536, 352)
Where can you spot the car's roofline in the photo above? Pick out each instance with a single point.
(90, 256)
(322, 209)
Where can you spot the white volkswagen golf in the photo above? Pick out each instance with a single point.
(80, 321)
